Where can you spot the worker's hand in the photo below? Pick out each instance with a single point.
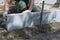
(26, 11)
(4, 16)
(5, 13)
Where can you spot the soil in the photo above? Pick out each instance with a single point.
(48, 32)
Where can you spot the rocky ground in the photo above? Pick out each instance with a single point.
(50, 32)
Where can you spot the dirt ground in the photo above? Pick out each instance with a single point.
(49, 32)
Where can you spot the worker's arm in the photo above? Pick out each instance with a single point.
(30, 7)
(6, 5)
(31, 4)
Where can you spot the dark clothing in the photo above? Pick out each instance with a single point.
(26, 1)
(22, 6)
(17, 0)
